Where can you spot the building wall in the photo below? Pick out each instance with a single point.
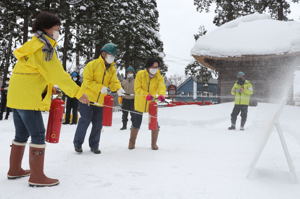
(186, 90)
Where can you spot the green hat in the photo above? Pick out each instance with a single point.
(130, 69)
(110, 48)
(240, 74)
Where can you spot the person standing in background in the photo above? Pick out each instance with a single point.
(128, 98)
(72, 103)
(242, 90)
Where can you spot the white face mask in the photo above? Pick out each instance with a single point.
(109, 59)
(55, 35)
(75, 78)
(130, 75)
(153, 71)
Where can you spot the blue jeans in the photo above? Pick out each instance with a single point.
(29, 123)
(89, 114)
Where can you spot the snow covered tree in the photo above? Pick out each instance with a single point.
(175, 80)
(9, 35)
(279, 9)
(132, 25)
(87, 25)
(198, 72)
(136, 32)
(201, 31)
(228, 10)
(195, 69)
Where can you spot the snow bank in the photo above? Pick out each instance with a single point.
(255, 34)
(198, 159)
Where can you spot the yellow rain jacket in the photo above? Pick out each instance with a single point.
(95, 76)
(32, 80)
(242, 98)
(144, 85)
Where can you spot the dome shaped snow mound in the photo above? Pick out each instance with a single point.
(255, 34)
(248, 18)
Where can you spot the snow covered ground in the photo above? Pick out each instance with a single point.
(198, 159)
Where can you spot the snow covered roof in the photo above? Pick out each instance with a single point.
(255, 34)
(210, 81)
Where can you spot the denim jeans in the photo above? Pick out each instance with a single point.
(29, 123)
(89, 114)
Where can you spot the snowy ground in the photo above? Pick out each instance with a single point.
(198, 159)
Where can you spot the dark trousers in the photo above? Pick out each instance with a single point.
(29, 123)
(237, 109)
(127, 106)
(7, 110)
(72, 104)
(136, 119)
(3, 107)
(89, 114)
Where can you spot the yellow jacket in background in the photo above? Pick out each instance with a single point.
(30, 86)
(242, 93)
(95, 76)
(144, 85)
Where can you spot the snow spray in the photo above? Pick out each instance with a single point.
(279, 98)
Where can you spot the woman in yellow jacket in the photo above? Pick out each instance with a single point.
(98, 75)
(148, 84)
(29, 93)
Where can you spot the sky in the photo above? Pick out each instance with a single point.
(179, 21)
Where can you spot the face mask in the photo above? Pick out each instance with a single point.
(241, 81)
(75, 78)
(109, 59)
(55, 35)
(130, 75)
(153, 71)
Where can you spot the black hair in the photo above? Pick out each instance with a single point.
(45, 20)
(151, 61)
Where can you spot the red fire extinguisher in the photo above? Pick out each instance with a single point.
(54, 120)
(107, 110)
(153, 125)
